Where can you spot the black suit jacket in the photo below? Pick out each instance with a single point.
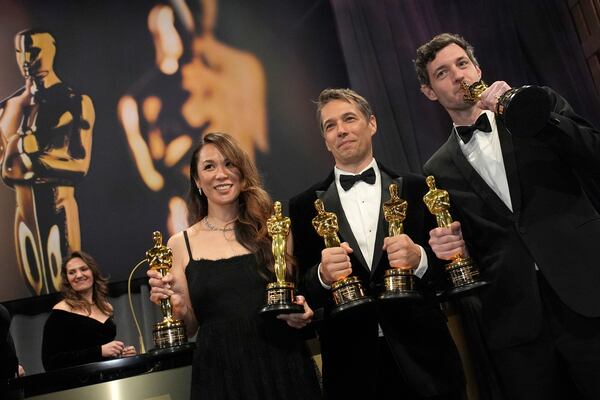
(555, 224)
(417, 335)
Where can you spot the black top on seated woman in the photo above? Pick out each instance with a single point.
(80, 328)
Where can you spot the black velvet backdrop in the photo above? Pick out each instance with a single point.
(520, 42)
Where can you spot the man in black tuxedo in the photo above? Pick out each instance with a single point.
(402, 351)
(528, 207)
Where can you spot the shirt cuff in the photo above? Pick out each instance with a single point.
(321, 280)
(423, 264)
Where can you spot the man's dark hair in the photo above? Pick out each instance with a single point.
(427, 52)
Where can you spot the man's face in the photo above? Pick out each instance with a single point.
(347, 133)
(446, 71)
(35, 54)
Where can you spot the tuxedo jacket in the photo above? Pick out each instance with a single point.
(417, 335)
(553, 182)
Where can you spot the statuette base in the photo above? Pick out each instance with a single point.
(348, 294)
(525, 110)
(169, 333)
(400, 284)
(464, 277)
(280, 300)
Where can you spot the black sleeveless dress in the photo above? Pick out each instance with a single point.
(240, 355)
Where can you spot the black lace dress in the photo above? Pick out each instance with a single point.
(240, 355)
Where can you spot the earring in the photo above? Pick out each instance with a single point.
(200, 191)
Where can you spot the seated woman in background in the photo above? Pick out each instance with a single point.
(80, 328)
(221, 266)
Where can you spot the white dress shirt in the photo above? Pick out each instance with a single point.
(484, 154)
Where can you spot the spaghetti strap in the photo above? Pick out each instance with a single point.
(187, 244)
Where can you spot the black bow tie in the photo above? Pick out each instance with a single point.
(347, 181)
(466, 132)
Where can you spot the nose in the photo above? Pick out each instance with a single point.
(221, 172)
(341, 129)
(457, 74)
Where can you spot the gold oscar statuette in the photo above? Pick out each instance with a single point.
(400, 284)
(462, 272)
(347, 292)
(525, 110)
(169, 332)
(280, 294)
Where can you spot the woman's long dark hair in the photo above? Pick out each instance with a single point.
(255, 204)
(99, 289)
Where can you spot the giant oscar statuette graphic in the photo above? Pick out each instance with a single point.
(524, 110)
(169, 332)
(462, 271)
(348, 293)
(400, 283)
(45, 152)
(280, 294)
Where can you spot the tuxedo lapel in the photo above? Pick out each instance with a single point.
(474, 179)
(510, 165)
(331, 200)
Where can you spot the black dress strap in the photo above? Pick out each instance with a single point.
(187, 244)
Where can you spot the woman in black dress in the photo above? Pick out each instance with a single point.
(221, 266)
(80, 328)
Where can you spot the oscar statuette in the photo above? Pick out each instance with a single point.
(462, 272)
(280, 294)
(400, 284)
(348, 293)
(169, 332)
(525, 110)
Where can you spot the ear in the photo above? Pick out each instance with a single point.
(373, 125)
(479, 74)
(429, 93)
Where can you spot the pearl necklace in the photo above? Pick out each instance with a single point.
(211, 227)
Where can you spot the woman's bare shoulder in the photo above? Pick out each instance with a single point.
(62, 305)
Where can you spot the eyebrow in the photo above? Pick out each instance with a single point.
(461, 58)
(344, 115)
(210, 160)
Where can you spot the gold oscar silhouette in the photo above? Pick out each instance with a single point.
(170, 332)
(525, 110)
(347, 292)
(399, 283)
(280, 294)
(462, 271)
(45, 152)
